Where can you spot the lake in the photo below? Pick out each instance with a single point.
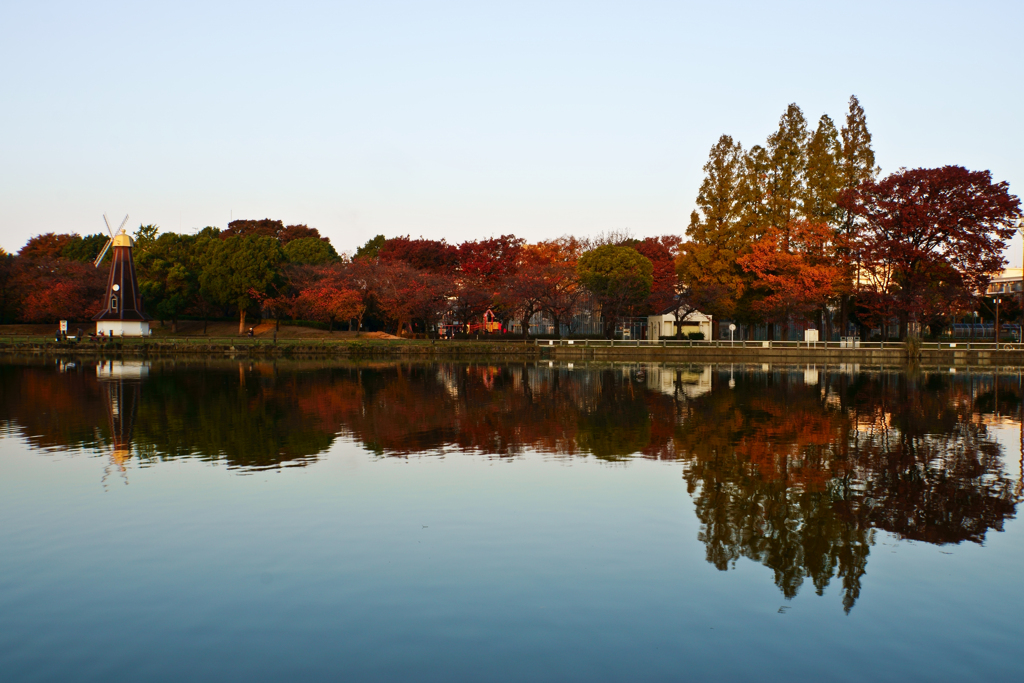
(247, 521)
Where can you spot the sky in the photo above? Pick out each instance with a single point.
(465, 120)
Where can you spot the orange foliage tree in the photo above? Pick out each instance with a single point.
(796, 271)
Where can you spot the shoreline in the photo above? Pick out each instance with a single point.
(579, 350)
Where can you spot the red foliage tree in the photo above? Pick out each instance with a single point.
(329, 303)
(45, 246)
(796, 271)
(298, 232)
(927, 239)
(662, 252)
(491, 259)
(435, 256)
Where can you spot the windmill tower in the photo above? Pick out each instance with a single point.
(123, 315)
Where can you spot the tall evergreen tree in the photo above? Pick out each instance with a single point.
(718, 202)
(787, 152)
(755, 191)
(823, 178)
(857, 167)
(707, 265)
(858, 163)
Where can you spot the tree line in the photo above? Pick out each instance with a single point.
(799, 231)
(802, 229)
(402, 285)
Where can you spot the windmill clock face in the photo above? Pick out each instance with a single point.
(116, 287)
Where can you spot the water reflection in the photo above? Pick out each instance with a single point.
(120, 387)
(794, 468)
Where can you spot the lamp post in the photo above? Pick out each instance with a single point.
(1020, 229)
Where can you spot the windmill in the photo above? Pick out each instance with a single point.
(123, 315)
(106, 247)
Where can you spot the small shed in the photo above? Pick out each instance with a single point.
(665, 326)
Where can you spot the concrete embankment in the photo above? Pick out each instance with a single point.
(245, 348)
(887, 354)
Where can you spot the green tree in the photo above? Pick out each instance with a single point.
(311, 251)
(145, 236)
(240, 271)
(824, 178)
(619, 277)
(371, 249)
(168, 275)
(84, 249)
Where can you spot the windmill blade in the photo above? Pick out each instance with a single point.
(99, 259)
(109, 231)
(121, 229)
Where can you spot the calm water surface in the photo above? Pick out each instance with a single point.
(230, 521)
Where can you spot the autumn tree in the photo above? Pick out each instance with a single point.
(787, 155)
(718, 231)
(620, 278)
(662, 252)
(9, 300)
(858, 158)
(824, 178)
(253, 228)
(57, 300)
(795, 272)
(928, 236)
(857, 166)
(46, 246)
(329, 303)
(436, 256)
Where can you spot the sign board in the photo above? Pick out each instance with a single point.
(63, 325)
(810, 335)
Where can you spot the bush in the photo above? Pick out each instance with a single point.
(698, 336)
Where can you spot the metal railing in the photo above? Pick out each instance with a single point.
(778, 344)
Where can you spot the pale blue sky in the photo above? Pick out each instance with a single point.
(466, 119)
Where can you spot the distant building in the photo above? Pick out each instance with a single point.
(1008, 281)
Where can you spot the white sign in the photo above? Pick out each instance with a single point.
(63, 325)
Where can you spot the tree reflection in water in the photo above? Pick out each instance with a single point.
(792, 468)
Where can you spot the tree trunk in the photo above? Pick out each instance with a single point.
(241, 321)
(174, 325)
(844, 315)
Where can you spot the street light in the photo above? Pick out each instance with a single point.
(732, 328)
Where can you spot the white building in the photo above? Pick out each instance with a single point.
(664, 326)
